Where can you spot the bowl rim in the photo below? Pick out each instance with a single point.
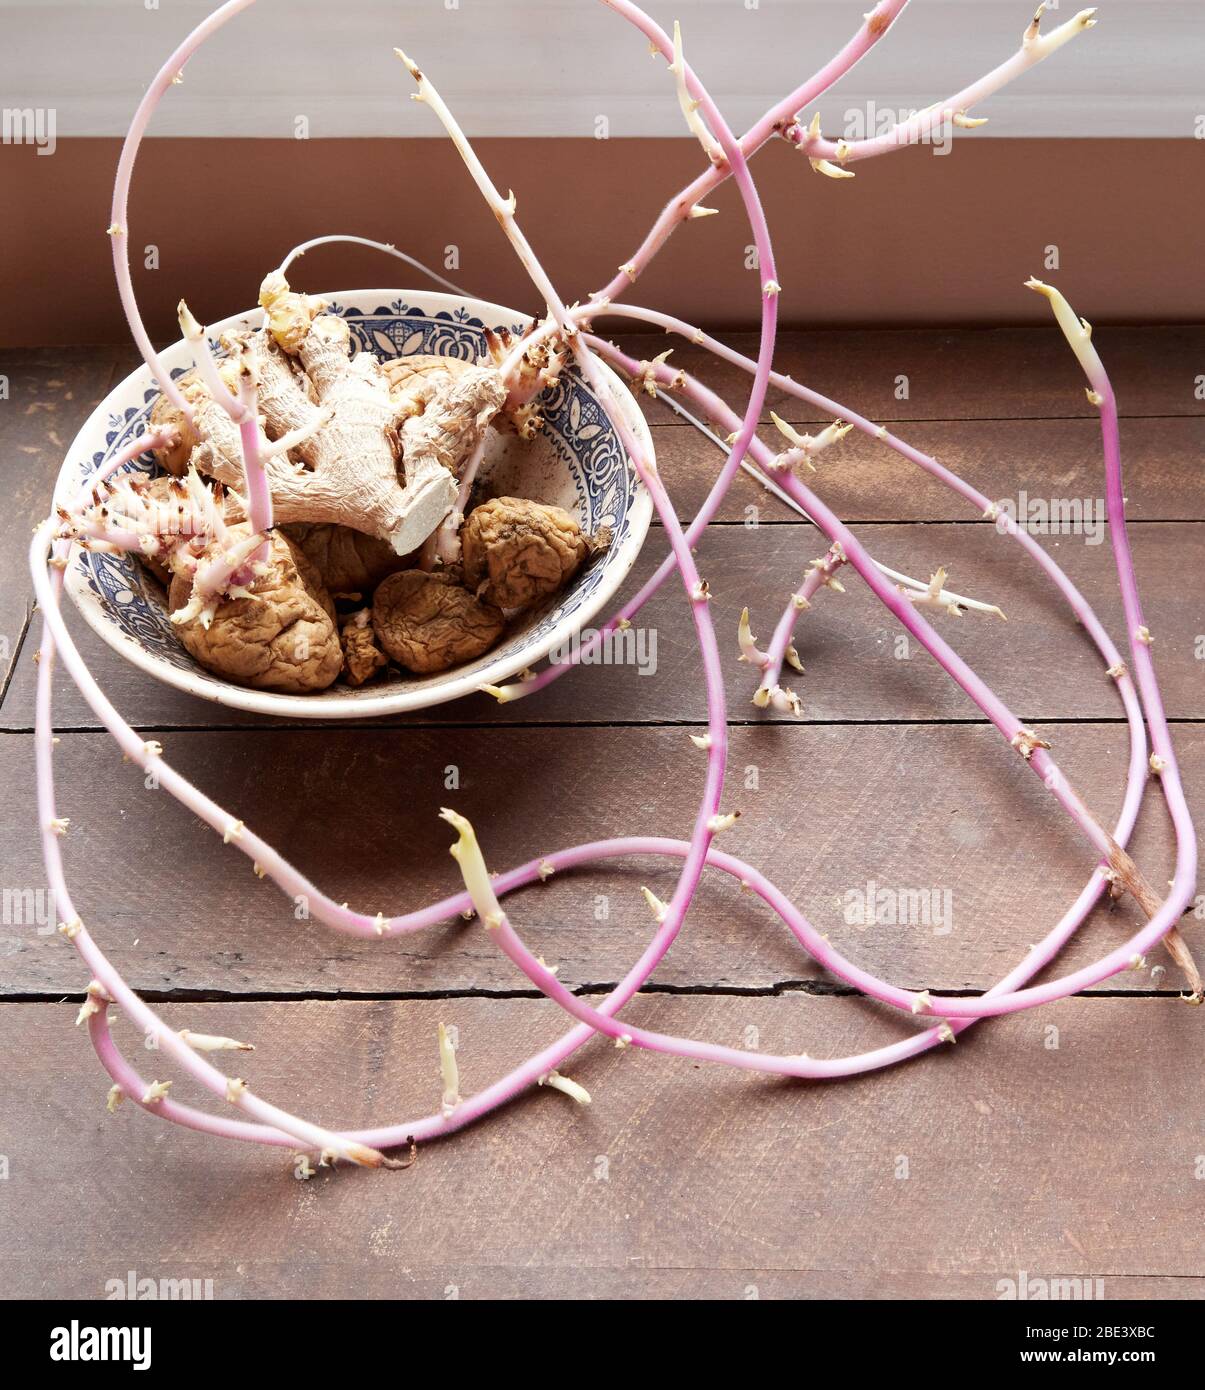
(341, 705)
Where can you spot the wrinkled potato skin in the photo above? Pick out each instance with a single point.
(174, 458)
(362, 658)
(517, 552)
(157, 568)
(428, 622)
(348, 561)
(281, 638)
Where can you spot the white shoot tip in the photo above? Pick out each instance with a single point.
(746, 641)
(208, 1042)
(657, 907)
(458, 823)
(787, 431)
(832, 171)
(569, 1088)
(467, 853)
(191, 329)
(411, 66)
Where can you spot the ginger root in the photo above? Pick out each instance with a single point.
(428, 622)
(279, 635)
(517, 552)
(344, 467)
(414, 380)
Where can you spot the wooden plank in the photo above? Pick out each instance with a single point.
(677, 1181)
(1012, 443)
(954, 373)
(866, 481)
(825, 811)
(1039, 661)
(50, 392)
(957, 373)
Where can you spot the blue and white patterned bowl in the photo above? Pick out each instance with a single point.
(576, 462)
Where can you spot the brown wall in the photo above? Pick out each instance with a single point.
(914, 238)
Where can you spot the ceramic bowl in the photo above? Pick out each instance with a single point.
(576, 462)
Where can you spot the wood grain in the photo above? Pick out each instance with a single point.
(825, 810)
(49, 395)
(1062, 1142)
(1039, 660)
(866, 481)
(958, 374)
(1073, 1161)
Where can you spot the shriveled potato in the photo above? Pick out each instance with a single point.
(174, 457)
(362, 658)
(348, 561)
(281, 636)
(428, 622)
(517, 552)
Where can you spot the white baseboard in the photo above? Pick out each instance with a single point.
(554, 67)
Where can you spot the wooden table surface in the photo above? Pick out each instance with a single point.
(1064, 1142)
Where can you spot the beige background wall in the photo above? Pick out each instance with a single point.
(914, 238)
